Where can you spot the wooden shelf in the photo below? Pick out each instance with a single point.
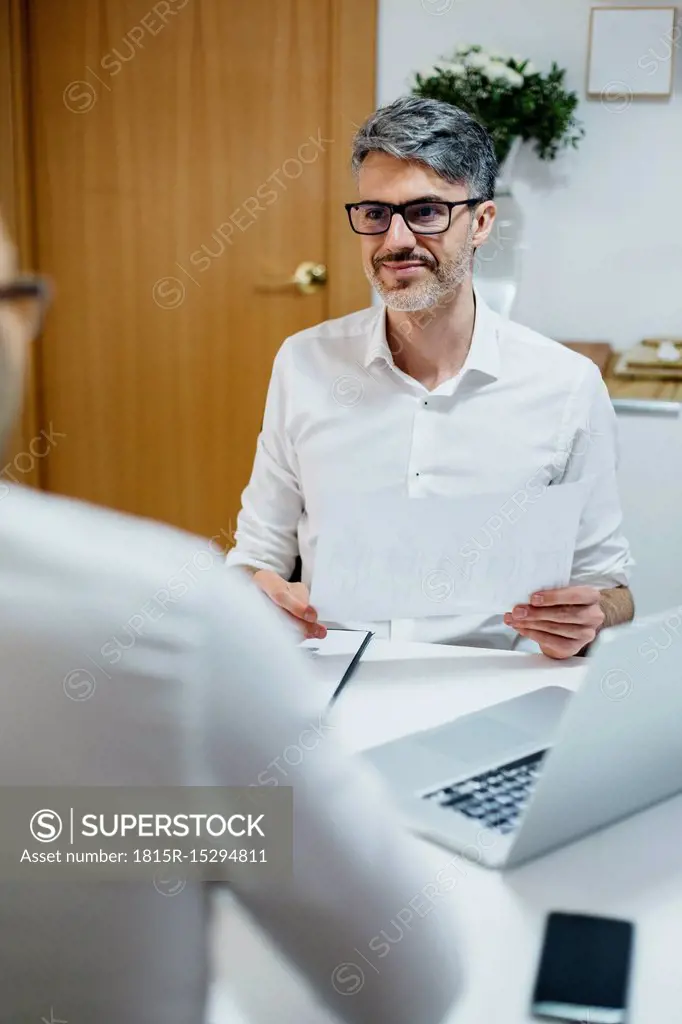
(658, 390)
(619, 387)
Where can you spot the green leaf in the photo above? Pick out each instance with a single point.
(541, 110)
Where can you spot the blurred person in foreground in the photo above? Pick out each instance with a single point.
(434, 395)
(197, 699)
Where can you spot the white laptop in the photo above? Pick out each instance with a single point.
(533, 773)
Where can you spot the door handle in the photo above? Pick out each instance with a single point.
(307, 279)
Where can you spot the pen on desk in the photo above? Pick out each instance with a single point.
(351, 668)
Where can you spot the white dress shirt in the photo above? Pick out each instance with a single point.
(524, 412)
(128, 656)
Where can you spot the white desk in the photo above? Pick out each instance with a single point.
(631, 870)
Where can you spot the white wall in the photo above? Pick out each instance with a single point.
(650, 484)
(603, 224)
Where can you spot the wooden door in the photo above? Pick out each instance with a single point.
(23, 462)
(188, 157)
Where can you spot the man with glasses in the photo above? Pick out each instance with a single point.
(433, 394)
(198, 700)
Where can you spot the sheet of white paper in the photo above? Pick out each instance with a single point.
(337, 643)
(385, 556)
(331, 657)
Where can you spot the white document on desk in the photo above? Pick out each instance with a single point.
(385, 556)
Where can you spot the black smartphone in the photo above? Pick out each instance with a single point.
(584, 970)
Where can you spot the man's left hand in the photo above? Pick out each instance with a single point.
(561, 621)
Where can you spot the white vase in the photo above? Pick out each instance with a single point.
(498, 263)
(505, 177)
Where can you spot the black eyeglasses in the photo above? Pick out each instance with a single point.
(422, 216)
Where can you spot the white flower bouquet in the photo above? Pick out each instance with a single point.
(509, 96)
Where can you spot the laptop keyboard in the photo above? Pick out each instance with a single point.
(497, 798)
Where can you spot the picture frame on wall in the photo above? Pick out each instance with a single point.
(631, 52)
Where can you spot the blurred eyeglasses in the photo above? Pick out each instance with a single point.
(30, 296)
(422, 216)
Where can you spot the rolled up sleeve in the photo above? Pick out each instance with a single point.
(602, 556)
(272, 504)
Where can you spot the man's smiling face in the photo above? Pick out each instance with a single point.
(412, 271)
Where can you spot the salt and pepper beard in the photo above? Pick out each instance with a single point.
(443, 279)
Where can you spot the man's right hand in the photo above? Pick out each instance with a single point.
(293, 599)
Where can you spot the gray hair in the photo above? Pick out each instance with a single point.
(437, 134)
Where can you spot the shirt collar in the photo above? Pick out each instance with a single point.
(484, 352)
(377, 346)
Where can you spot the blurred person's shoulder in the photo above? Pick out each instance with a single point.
(88, 532)
(85, 552)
